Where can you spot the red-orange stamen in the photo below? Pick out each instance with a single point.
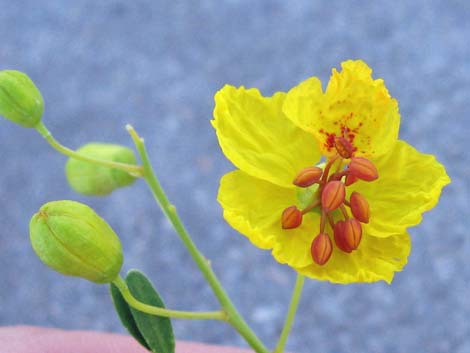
(338, 232)
(359, 207)
(321, 249)
(352, 233)
(363, 169)
(291, 218)
(333, 195)
(308, 176)
(350, 179)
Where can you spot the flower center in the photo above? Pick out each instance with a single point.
(324, 189)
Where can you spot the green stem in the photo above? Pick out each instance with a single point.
(135, 170)
(233, 317)
(294, 302)
(154, 310)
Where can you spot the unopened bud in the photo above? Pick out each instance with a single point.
(91, 179)
(308, 176)
(332, 195)
(321, 249)
(352, 233)
(344, 147)
(359, 207)
(350, 179)
(20, 100)
(291, 217)
(363, 169)
(72, 239)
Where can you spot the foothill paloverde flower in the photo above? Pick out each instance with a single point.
(323, 180)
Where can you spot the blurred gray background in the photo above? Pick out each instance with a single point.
(157, 65)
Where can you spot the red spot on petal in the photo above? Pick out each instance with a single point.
(351, 134)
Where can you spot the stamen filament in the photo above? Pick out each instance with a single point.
(310, 207)
(322, 221)
(344, 211)
(331, 220)
(326, 171)
(338, 175)
(340, 163)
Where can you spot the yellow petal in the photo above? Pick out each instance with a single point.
(254, 207)
(409, 183)
(376, 259)
(257, 138)
(354, 106)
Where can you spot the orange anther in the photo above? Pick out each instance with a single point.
(339, 237)
(352, 233)
(363, 169)
(359, 207)
(350, 179)
(333, 195)
(321, 249)
(348, 234)
(291, 218)
(308, 176)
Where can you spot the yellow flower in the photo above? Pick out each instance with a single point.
(348, 221)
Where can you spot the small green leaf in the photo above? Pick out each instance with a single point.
(157, 331)
(125, 314)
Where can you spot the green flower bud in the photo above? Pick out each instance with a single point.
(20, 100)
(72, 239)
(91, 179)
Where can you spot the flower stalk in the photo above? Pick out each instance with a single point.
(233, 316)
(134, 170)
(154, 310)
(294, 303)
